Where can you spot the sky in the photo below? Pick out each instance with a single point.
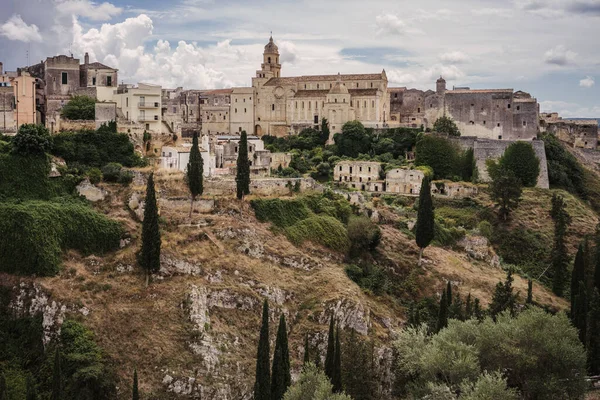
(548, 48)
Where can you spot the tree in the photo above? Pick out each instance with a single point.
(364, 235)
(520, 158)
(79, 108)
(135, 394)
(442, 320)
(336, 381)
(31, 139)
(358, 373)
(262, 384)
(477, 310)
(593, 334)
(306, 358)
(195, 172)
(559, 255)
(353, 140)
(469, 168)
(324, 131)
(313, 385)
(3, 389)
(449, 293)
(579, 311)
(56, 377)
(597, 259)
(242, 177)
(31, 393)
(455, 310)
(505, 189)
(440, 154)
(330, 355)
(281, 378)
(149, 256)
(577, 276)
(446, 125)
(468, 307)
(503, 298)
(424, 230)
(529, 300)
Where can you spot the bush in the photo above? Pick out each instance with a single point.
(523, 247)
(564, 171)
(319, 229)
(353, 140)
(31, 139)
(36, 232)
(485, 229)
(26, 177)
(440, 154)
(447, 236)
(79, 108)
(282, 213)
(94, 175)
(446, 125)
(520, 158)
(364, 235)
(369, 277)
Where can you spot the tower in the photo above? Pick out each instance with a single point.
(270, 67)
(440, 86)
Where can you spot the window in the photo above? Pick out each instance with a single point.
(336, 100)
(316, 119)
(340, 167)
(330, 85)
(518, 108)
(236, 100)
(472, 122)
(365, 104)
(126, 101)
(356, 84)
(524, 123)
(431, 106)
(305, 86)
(236, 110)
(64, 78)
(350, 103)
(244, 100)
(109, 81)
(360, 169)
(509, 106)
(369, 169)
(317, 85)
(303, 105)
(419, 109)
(224, 118)
(350, 169)
(272, 107)
(373, 104)
(371, 84)
(269, 60)
(498, 124)
(148, 128)
(484, 122)
(499, 137)
(94, 81)
(244, 110)
(395, 95)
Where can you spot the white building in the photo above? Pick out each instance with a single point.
(178, 157)
(141, 104)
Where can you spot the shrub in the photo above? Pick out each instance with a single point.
(524, 247)
(79, 108)
(441, 155)
(353, 140)
(35, 233)
(31, 139)
(447, 236)
(564, 171)
(319, 229)
(125, 177)
(485, 229)
(446, 125)
(520, 158)
(369, 277)
(94, 175)
(282, 213)
(26, 177)
(364, 235)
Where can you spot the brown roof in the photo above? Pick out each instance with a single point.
(311, 78)
(323, 93)
(218, 91)
(460, 91)
(397, 89)
(97, 65)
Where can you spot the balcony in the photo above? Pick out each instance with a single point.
(148, 104)
(147, 118)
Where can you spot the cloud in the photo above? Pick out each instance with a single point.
(454, 57)
(390, 24)
(570, 110)
(585, 7)
(559, 55)
(287, 52)
(425, 76)
(16, 29)
(587, 82)
(559, 8)
(493, 12)
(88, 9)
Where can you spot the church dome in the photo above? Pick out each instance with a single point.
(271, 47)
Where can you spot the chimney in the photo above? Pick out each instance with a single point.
(86, 58)
(1, 68)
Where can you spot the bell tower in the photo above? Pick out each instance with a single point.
(270, 67)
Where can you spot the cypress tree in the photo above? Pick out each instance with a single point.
(455, 310)
(559, 254)
(135, 393)
(242, 177)
(578, 275)
(262, 384)
(597, 260)
(281, 378)
(149, 256)
(468, 307)
(529, 292)
(330, 355)
(337, 364)
(503, 298)
(195, 171)
(580, 312)
(424, 231)
(3, 392)
(442, 321)
(593, 334)
(477, 311)
(31, 391)
(306, 350)
(449, 293)
(56, 377)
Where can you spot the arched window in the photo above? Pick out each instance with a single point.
(269, 60)
(272, 107)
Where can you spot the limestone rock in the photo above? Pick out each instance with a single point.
(90, 192)
(348, 314)
(136, 203)
(478, 248)
(170, 266)
(197, 307)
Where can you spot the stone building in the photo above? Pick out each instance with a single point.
(582, 133)
(214, 111)
(359, 174)
(98, 80)
(404, 181)
(242, 110)
(18, 100)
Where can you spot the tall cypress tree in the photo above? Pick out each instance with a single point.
(559, 254)
(503, 298)
(597, 259)
(135, 395)
(442, 320)
(149, 256)
(529, 292)
(306, 359)
(262, 384)
(593, 334)
(330, 355)
(468, 307)
(281, 378)
(424, 231)
(580, 312)
(477, 311)
(449, 293)
(195, 171)
(242, 177)
(3, 390)
(56, 377)
(577, 276)
(336, 381)
(31, 390)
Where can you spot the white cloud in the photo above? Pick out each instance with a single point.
(570, 110)
(16, 29)
(492, 12)
(559, 55)
(287, 52)
(454, 57)
(425, 77)
(88, 9)
(390, 24)
(587, 82)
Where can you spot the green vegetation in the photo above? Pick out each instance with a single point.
(330, 354)
(539, 353)
(114, 172)
(505, 188)
(593, 334)
(560, 256)
(36, 232)
(320, 229)
(281, 378)
(439, 153)
(520, 158)
(313, 385)
(446, 125)
(424, 229)
(262, 383)
(564, 171)
(359, 376)
(135, 395)
(504, 300)
(79, 108)
(353, 140)
(195, 172)
(579, 301)
(242, 177)
(149, 255)
(364, 235)
(31, 139)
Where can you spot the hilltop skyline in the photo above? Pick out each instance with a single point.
(546, 48)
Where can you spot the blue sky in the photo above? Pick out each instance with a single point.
(546, 47)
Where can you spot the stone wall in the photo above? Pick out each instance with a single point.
(259, 187)
(79, 125)
(105, 112)
(578, 133)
